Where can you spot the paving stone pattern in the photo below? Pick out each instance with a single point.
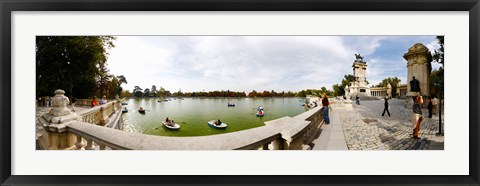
(365, 128)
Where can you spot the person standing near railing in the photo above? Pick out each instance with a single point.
(103, 100)
(324, 109)
(94, 101)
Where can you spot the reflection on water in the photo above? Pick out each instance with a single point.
(193, 114)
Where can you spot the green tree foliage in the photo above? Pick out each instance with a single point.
(437, 76)
(438, 54)
(340, 90)
(70, 63)
(146, 92)
(324, 90)
(393, 81)
(337, 90)
(137, 91)
(436, 82)
(125, 94)
(161, 92)
(104, 79)
(153, 91)
(121, 80)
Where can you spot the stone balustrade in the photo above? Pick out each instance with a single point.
(100, 115)
(287, 133)
(67, 130)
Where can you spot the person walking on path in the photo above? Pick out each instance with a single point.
(324, 110)
(386, 107)
(357, 99)
(73, 103)
(430, 107)
(417, 116)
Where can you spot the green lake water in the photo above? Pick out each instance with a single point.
(193, 114)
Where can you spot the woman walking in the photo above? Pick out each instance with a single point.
(417, 116)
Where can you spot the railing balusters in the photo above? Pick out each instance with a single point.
(79, 144)
(89, 144)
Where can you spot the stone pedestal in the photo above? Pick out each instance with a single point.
(347, 92)
(410, 99)
(55, 123)
(419, 66)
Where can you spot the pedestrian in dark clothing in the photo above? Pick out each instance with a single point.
(357, 99)
(430, 108)
(386, 108)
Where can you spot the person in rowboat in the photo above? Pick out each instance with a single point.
(218, 122)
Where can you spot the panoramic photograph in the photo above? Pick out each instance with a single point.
(239, 92)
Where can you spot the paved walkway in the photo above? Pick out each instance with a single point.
(364, 128)
(332, 136)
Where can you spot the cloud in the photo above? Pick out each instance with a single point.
(245, 63)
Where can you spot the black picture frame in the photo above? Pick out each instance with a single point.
(8, 6)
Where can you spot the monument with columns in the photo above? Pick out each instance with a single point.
(359, 86)
(419, 67)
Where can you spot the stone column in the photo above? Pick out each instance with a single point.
(56, 121)
(418, 63)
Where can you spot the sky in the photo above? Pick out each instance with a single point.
(246, 63)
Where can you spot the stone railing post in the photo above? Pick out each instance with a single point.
(55, 123)
(103, 115)
(89, 144)
(115, 106)
(279, 144)
(79, 143)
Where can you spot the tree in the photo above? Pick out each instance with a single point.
(146, 92)
(347, 79)
(126, 94)
(121, 79)
(70, 63)
(393, 82)
(438, 54)
(436, 82)
(113, 87)
(161, 92)
(324, 90)
(104, 78)
(437, 76)
(337, 90)
(137, 91)
(252, 94)
(153, 91)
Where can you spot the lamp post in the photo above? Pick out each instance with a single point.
(439, 87)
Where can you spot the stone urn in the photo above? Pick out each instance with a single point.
(55, 123)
